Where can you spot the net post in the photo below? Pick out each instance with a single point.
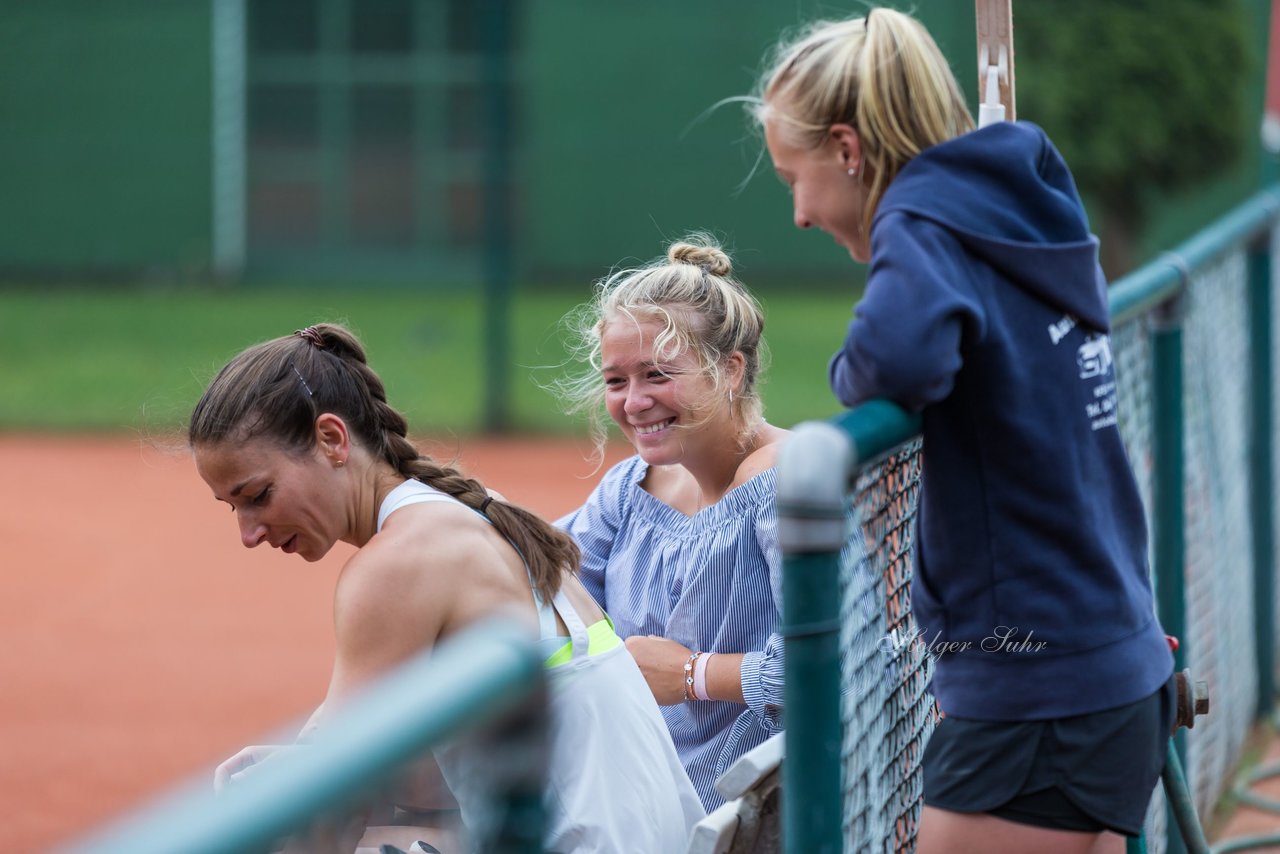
(995, 61)
(1169, 508)
(1262, 466)
(813, 473)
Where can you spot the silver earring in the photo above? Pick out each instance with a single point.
(731, 397)
(853, 171)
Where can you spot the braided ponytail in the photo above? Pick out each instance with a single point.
(548, 552)
(278, 388)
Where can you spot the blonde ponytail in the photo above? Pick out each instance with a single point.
(882, 74)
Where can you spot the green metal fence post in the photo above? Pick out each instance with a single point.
(1182, 810)
(335, 123)
(497, 27)
(228, 140)
(1169, 509)
(813, 472)
(1262, 467)
(515, 822)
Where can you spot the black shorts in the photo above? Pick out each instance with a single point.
(1088, 773)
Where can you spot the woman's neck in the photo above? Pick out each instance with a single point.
(373, 480)
(713, 475)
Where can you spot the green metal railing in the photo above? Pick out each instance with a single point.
(821, 464)
(481, 676)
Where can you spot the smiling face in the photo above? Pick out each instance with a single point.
(291, 502)
(664, 405)
(824, 194)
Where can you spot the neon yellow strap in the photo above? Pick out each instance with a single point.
(601, 637)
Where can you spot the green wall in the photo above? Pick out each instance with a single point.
(619, 155)
(104, 136)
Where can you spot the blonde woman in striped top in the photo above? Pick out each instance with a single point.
(679, 542)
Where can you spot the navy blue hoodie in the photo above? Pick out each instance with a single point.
(986, 310)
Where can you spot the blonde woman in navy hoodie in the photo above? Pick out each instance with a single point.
(986, 311)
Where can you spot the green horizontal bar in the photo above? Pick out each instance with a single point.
(1145, 289)
(1152, 284)
(470, 679)
(877, 427)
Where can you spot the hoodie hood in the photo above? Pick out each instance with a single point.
(1005, 192)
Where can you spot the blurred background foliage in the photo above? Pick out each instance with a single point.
(1146, 99)
(184, 178)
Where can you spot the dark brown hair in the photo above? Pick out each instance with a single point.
(278, 388)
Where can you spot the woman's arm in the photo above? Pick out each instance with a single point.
(595, 527)
(760, 673)
(662, 662)
(904, 341)
(753, 679)
(393, 600)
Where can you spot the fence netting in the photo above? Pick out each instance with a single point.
(887, 712)
(1131, 350)
(1219, 548)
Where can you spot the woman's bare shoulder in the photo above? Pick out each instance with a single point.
(405, 572)
(384, 612)
(769, 442)
(417, 544)
(431, 570)
(440, 556)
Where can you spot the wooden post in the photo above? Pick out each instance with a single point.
(995, 61)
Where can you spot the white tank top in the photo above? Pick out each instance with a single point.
(615, 783)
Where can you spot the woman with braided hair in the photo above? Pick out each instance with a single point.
(296, 435)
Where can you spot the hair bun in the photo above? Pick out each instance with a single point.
(706, 255)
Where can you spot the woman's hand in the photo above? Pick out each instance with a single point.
(243, 763)
(662, 662)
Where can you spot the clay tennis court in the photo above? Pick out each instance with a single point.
(140, 643)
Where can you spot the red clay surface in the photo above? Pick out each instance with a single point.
(140, 643)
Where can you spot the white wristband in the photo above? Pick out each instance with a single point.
(700, 676)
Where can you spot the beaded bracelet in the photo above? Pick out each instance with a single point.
(689, 695)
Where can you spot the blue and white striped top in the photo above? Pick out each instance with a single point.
(712, 582)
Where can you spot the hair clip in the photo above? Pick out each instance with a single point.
(301, 379)
(310, 334)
